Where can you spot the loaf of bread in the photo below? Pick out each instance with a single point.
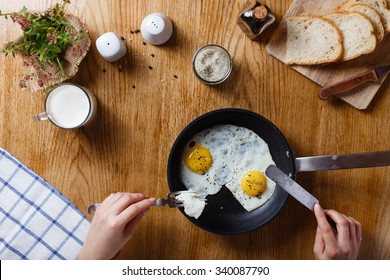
(380, 6)
(306, 47)
(357, 32)
(373, 16)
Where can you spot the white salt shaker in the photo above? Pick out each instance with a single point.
(156, 28)
(111, 47)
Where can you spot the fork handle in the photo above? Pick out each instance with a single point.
(92, 208)
(160, 202)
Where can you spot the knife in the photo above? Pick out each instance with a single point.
(294, 189)
(372, 75)
(290, 186)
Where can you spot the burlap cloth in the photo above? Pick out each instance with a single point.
(71, 59)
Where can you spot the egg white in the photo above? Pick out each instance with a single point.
(193, 205)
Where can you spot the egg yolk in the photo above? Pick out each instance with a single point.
(198, 159)
(253, 183)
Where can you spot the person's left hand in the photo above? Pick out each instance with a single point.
(113, 224)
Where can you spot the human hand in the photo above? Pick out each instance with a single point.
(344, 245)
(113, 223)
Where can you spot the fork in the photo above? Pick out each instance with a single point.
(171, 200)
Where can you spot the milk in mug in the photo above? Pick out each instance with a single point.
(68, 106)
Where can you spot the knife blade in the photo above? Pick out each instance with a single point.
(290, 186)
(294, 189)
(372, 75)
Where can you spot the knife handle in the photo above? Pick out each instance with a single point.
(344, 86)
(331, 222)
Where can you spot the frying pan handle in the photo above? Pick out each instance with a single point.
(344, 161)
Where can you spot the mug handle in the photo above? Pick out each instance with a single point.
(40, 117)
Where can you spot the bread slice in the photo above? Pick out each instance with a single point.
(357, 31)
(380, 6)
(373, 16)
(312, 40)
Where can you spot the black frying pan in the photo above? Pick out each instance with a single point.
(223, 213)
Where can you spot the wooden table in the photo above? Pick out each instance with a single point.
(149, 96)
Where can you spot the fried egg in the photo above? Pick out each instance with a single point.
(231, 156)
(209, 174)
(249, 185)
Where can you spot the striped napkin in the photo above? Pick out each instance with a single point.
(36, 220)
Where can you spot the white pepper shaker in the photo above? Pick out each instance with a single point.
(111, 47)
(156, 28)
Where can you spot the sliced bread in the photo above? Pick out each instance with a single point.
(380, 6)
(357, 33)
(312, 40)
(373, 16)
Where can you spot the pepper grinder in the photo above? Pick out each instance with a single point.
(254, 19)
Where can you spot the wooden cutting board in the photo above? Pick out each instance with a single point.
(331, 73)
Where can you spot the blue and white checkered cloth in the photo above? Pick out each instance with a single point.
(36, 220)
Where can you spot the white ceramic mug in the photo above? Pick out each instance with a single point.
(68, 106)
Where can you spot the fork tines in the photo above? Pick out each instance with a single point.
(198, 193)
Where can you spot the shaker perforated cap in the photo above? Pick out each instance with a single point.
(156, 28)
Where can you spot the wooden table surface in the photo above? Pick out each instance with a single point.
(148, 97)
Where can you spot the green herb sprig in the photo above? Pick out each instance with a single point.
(45, 41)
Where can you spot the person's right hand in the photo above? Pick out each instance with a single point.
(113, 223)
(344, 245)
